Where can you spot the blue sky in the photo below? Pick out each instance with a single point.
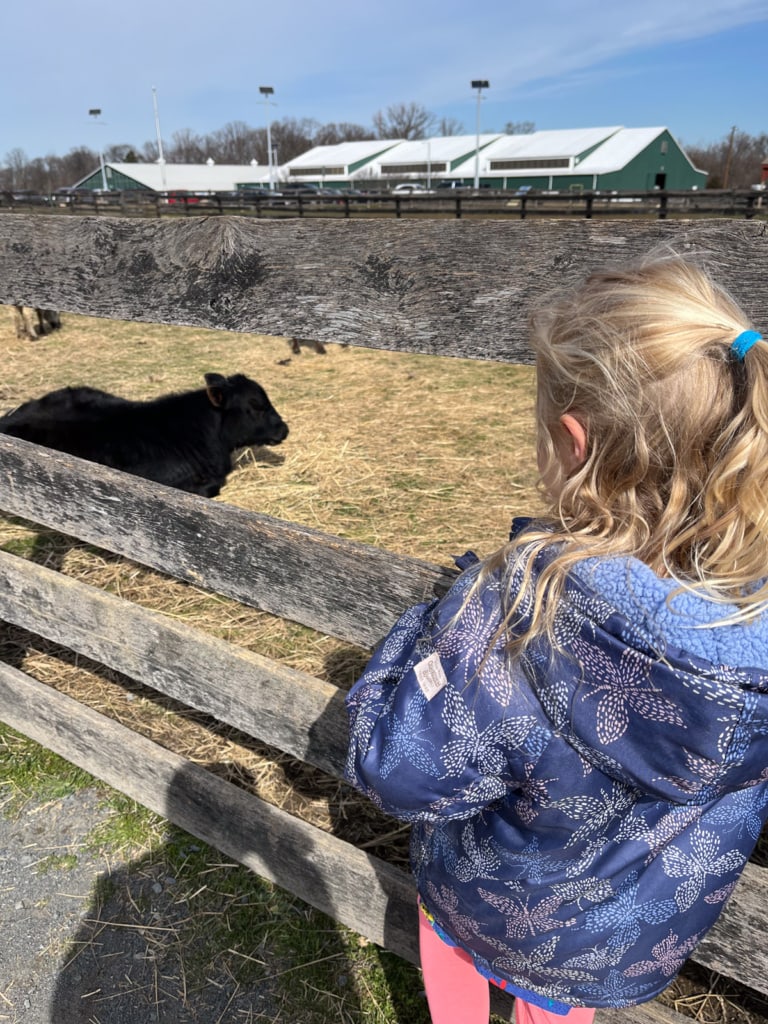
(696, 67)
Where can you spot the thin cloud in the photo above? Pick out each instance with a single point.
(332, 65)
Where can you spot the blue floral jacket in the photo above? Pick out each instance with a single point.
(581, 817)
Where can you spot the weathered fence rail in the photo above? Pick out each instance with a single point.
(450, 287)
(505, 204)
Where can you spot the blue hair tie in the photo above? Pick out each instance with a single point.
(744, 342)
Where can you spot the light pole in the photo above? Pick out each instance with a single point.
(160, 157)
(479, 84)
(95, 113)
(267, 91)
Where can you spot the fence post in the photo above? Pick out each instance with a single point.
(523, 201)
(458, 207)
(662, 206)
(588, 207)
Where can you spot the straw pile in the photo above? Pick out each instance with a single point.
(418, 455)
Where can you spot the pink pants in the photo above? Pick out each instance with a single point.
(458, 994)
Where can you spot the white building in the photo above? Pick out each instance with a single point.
(610, 158)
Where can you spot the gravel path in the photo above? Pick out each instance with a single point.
(42, 909)
(68, 957)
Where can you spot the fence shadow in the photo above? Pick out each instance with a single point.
(169, 938)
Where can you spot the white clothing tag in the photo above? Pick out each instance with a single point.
(430, 675)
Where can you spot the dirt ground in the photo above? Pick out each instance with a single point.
(85, 937)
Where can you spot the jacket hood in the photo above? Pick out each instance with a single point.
(672, 724)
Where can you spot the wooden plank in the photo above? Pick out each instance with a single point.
(289, 710)
(359, 890)
(348, 590)
(447, 287)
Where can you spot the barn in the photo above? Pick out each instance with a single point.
(343, 164)
(613, 158)
(431, 160)
(166, 177)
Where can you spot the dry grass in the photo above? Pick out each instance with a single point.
(419, 455)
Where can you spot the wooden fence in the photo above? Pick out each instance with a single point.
(509, 205)
(444, 287)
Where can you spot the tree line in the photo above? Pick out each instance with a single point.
(733, 162)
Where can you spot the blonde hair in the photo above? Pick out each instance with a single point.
(676, 466)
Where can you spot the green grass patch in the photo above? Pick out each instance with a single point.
(29, 772)
(56, 862)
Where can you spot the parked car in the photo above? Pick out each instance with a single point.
(453, 186)
(67, 196)
(410, 188)
(30, 196)
(183, 197)
(256, 193)
(240, 195)
(303, 190)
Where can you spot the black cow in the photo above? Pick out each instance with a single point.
(182, 440)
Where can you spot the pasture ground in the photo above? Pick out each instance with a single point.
(419, 455)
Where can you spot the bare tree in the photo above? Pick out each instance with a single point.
(16, 162)
(186, 148)
(331, 134)
(733, 162)
(519, 128)
(292, 137)
(149, 152)
(450, 126)
(118, 152)
(235, 143)
(403, 121)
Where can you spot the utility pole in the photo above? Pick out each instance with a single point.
(727, 171)
(161, 158)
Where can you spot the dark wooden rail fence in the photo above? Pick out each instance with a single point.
(449, 288)
(508, 204)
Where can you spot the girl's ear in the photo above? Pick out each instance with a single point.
(577, 439)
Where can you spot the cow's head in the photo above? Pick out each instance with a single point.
(247, 415)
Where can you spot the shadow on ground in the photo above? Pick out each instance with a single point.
(183, 935)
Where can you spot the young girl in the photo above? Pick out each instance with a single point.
(579, 729)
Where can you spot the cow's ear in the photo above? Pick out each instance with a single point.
(214, 386)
